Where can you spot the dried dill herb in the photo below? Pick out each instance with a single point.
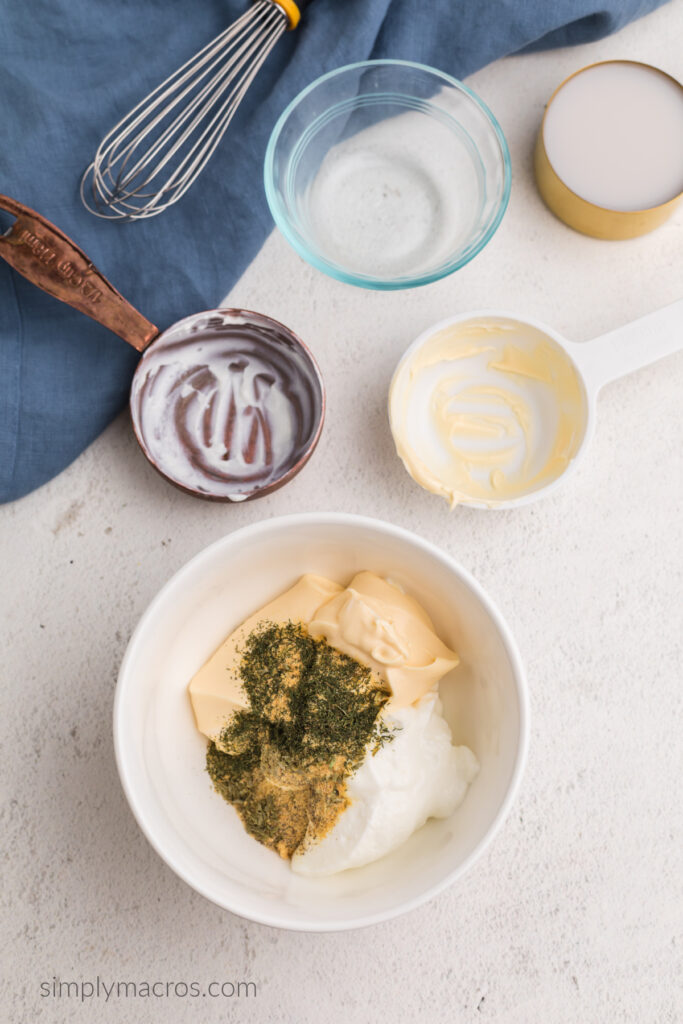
(283, 762)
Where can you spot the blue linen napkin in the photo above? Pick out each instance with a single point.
(69, 69)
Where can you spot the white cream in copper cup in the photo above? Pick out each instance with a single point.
(493, 410)
(161, 755)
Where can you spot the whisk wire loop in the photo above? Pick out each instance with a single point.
(149, 160)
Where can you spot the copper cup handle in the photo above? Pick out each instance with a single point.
(48, 258)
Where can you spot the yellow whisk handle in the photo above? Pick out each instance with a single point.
(291, 10)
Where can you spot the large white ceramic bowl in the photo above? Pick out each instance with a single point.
(161, 755)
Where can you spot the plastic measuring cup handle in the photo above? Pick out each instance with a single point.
(633, 346)
(48, 258)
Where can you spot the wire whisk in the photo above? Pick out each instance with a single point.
(153, 155)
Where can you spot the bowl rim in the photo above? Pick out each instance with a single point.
(282, 221)
(123, 684)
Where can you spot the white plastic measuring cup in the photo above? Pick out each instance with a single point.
(493, 411)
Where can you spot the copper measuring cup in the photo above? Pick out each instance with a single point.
(226, 404)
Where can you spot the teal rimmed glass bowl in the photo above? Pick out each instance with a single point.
(387, 174)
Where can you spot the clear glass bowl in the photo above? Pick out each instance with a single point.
(387, 174)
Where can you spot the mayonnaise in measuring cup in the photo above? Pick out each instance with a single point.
(486, 410)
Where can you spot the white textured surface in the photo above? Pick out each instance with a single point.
(574, 914)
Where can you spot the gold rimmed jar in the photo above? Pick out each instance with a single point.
(599, 218)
